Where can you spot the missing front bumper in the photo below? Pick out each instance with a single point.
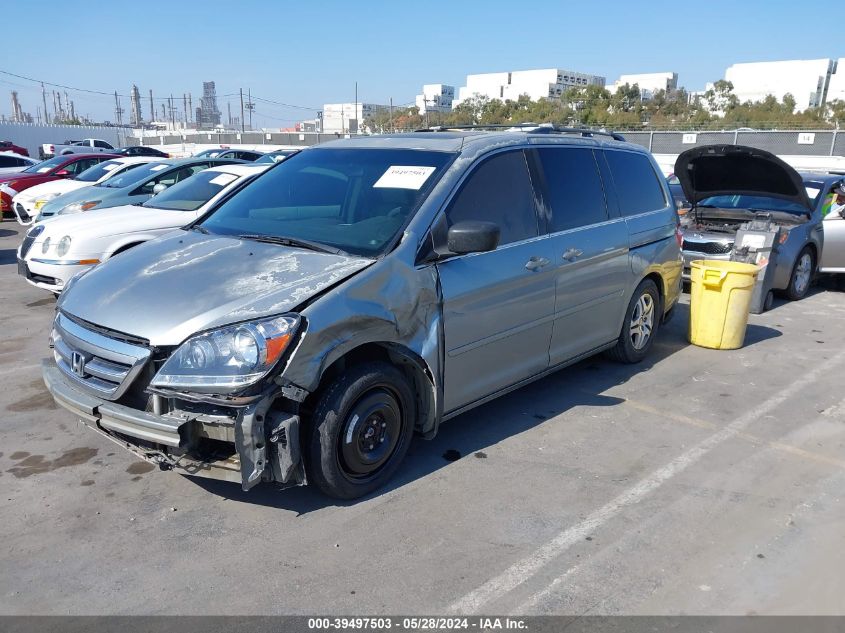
(265, 447)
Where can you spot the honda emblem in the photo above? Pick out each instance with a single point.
(77, 364)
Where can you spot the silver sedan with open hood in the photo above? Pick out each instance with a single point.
(729, 185)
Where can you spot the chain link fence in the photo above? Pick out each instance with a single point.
(792, 142)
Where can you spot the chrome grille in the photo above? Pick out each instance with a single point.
(708, 248)
(102, 365)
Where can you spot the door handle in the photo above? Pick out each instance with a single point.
(572, 254)
(536, 263)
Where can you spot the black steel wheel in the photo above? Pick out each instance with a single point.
(360, 430)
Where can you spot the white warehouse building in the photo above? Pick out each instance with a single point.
(649, 83)
(547, 83)
(436, 98)
(805, 79)
(348, 118)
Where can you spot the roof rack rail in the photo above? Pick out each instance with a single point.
(537, 128)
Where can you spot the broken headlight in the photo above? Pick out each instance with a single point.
(227, 359)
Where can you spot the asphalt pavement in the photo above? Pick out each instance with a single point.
(699, 482)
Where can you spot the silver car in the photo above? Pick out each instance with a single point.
(363, 290)
(729, 185)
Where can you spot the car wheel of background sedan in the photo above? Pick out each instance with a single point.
(640, 325)
(361, 429)
(802, 275)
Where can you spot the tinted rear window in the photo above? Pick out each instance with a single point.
(574, 186)
(636, 182)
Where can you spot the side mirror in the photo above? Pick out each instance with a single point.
(473, 236)
(159, 188)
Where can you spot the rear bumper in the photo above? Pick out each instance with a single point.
(166, 440)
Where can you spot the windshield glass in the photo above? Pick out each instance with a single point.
(46, 165)
(210, 153)
(752, 202)
(191, 194)
(273, 157)
(133, 176)
(813, 190)
(352, 199)
(93, 174)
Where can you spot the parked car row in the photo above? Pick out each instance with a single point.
(297, 322)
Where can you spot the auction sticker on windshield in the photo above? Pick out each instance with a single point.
(404, 177)
(222, 179)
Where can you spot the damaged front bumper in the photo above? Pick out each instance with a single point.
(252, 443)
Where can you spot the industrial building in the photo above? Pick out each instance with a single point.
(348, 118)
(436, 98)
(808, 80)
(548, 83)
(207, 115)
(649, 83)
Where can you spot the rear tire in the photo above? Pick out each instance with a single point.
(360, 431)
(639, 328)
(802, 275)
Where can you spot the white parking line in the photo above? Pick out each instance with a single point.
(526, 568)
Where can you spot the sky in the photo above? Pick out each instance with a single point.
(305, 54)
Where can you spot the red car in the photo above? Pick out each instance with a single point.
(46, 171)
(8, 146)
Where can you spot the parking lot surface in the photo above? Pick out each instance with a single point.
(699, 482)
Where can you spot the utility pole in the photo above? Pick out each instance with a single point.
(242, 111)
(190, 108)
(118, 111)
(152, 107)
(185, 108)
(44, 100)
(229, 113)
(250, 106)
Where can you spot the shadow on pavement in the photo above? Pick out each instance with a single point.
(579, 385)
(8, 256)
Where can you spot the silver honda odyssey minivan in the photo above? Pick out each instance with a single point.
(363, 290)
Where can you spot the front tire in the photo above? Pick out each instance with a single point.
(802, 275)
(360, 431)
(639, 328)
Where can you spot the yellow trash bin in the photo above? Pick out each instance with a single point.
(720, 297)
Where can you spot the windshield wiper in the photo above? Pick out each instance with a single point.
(295, 242)
(200, 229)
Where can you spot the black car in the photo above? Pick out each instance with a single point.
(141, 150)
(223, 152)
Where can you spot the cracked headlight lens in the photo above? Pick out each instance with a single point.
(227, 359)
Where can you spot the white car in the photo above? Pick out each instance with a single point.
(12, 163)
(28, 202)
(56, 249)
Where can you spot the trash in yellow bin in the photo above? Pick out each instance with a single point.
(720, 297)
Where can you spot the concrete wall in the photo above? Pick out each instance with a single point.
(33, 135)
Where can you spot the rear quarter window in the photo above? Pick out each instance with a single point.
(637, 184)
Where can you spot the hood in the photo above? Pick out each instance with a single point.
(54, 186)
(718, 170)
(186, 282)
(22, 176)
(110, 221)
(82, 194)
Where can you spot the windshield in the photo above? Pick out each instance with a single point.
(133, 176)
(210, 153)
(355, 200)
(46, 165)
(762, 203)
(93, 174)
(273, 157)
(191, 194)
(813, 191)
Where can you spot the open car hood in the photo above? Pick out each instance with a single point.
(720, 170)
